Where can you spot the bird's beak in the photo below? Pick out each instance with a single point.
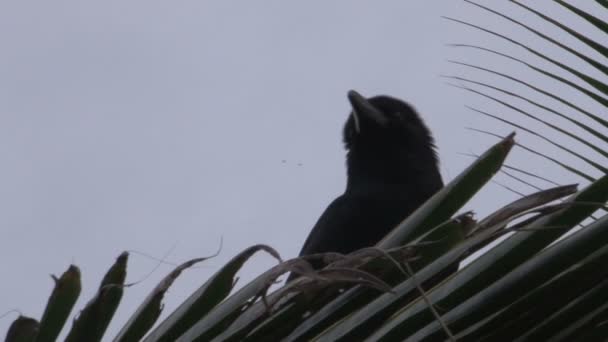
(365, 111)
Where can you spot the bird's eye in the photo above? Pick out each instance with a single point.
(397, 116)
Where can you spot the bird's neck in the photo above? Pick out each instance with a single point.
(395, 171)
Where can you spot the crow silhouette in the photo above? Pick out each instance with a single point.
(392, 168)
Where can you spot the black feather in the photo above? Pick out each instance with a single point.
(392, 168)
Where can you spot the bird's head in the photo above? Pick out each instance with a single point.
(384, 133)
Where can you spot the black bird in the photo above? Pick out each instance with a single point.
(392, 168)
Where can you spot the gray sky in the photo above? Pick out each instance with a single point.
(158, 126)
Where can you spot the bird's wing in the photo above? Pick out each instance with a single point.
(330, 233)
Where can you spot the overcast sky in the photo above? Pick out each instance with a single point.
(165, 126)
